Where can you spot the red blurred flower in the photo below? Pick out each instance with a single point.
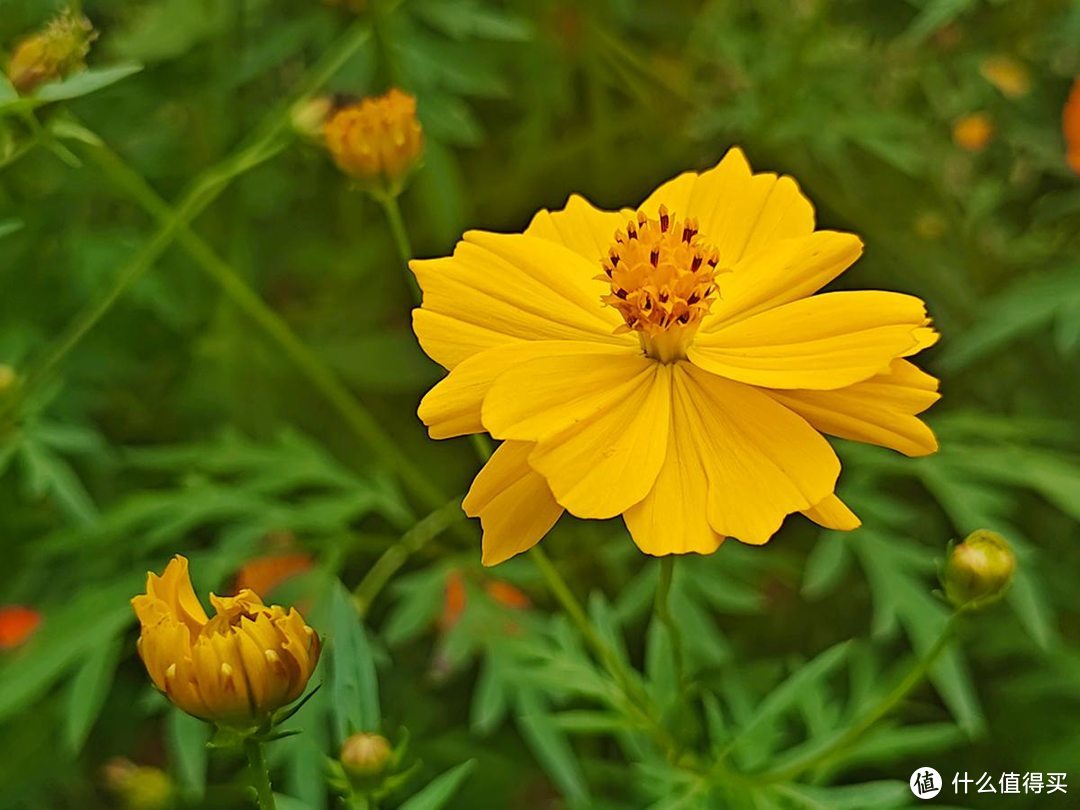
(17, 624)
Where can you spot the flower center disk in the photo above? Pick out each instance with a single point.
(663, 281)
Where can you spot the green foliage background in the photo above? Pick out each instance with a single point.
(179, 423)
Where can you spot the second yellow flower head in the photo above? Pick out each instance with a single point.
(378, 140)
(235, 669)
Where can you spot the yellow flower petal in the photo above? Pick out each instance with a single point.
(604, 464)
(452, 407)
(738, 212)
(881, 410)
(580, 226)
(174, 588)
(833, 513)
(762, 461)
(544, 396)
(513, 502)
(505, 287)
(786, 270)
(824, 342)
(672, 518)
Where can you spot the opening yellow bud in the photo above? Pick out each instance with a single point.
(978, 570)
(235, 669)
(52, 53)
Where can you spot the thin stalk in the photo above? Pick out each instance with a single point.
(360, 421)
(260, 775)
(390, 206)
(914, 677)
(636, 697)
(662, 609)
(267, 141)
(394, 557)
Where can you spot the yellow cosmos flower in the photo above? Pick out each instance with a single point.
(235, 669)
(669, 364)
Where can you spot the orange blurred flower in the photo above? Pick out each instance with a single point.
(973, 132)
(456, 598)
(264, 574)
(17, 624)
(1070, 125)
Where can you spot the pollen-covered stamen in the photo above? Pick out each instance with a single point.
(662, 276)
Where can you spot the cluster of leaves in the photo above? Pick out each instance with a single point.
(177, 424)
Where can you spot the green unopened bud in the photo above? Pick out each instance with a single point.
(309, 115)
(138, 787)
(978, 570)
(366, 755)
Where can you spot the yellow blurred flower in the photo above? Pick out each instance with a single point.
(52, 53)
(1070, 126)
(686, 386)
(1007, 75)
(973, 132)
(377, 140)
(235, 669)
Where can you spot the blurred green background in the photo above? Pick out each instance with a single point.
(177, 424)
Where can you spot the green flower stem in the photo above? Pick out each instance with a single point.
(840, 743)
(636, 697)
(389, 202)
(267, 141)
(260, 775)
(394, 557)
(362, 423)
(662, 609)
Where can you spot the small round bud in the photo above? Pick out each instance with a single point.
(52, 53)
(8, 378)
(309, 115)
(978, 570)
(138, 787)
(366, 755)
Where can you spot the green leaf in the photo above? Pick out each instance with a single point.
(489, 700)
(10, 226)
(826, 565)
(186, 738)
(84, 83)
(550, 746)
(884, 795)
(82, 625)
(354, 685)
(437, 793)
(786, 696)
(89, 689)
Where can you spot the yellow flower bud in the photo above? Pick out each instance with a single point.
(366, 755)
(53, 53)
(1007, 75)
(378, 140)
(235, 669)
(978, 570)
(7, 378)
(138, 787)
